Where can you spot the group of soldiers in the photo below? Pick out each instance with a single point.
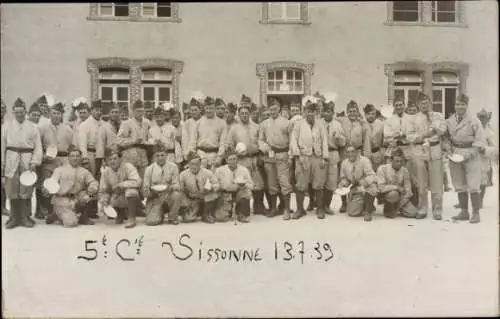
(216, 161)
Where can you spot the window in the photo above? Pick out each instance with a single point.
(408, 11)
(407, 84)
(157, 86)
(284, 11)
(444, 11)
(114, 86)
(157, 9)
(113, 9)
(285, 82)
(444, 92)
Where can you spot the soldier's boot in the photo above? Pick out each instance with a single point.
(132, 208)
(140, 211)
(414, 198)
(206, 214)
(267, 196)
(368, 207)
(281, 205)
(258, 202)
(51, 218)
(389, 210)
(437, 206)
(92, 209)
(327, 201)
(475, 199)
(483, 192)
(26, 219)
(463, 199)
(14, 214)
(299, 197)
(271, 200)
(40, 203)
(343, 208)
(85, 216)
(320, 210)
(422, 205)
(312, 200)
(244, 211)
(120, 216)
(286, 206)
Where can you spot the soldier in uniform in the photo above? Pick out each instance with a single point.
(124, 113)
(246, 132)
(175, 120)
(165, 133)
(207, 136)
(77, 187)
(53, 134)
(356, 171)
(162, 172)
(189, 125)
(132, 136)
(83, 110)
(44, 102)
(309, 146)
(424, 133)
(357, 135)
(21, 151)
(197, 196)
(376, 132)
(235, 187)
(119, 186)
(394, 186)
(466, 137)
(149, 109)
(274, 141)
(108, 131)
(489, 155)
(336, 140)
(87, 137)
(220, 108)
(34, 114)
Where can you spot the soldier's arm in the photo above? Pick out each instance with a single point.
(261, 141)
(36, 159)
(146, 183)
(90, 182)
(382, 181)
(133, 178)
(479, 138)
(369, 176)
(294, 145)
(214, 180)
(124, 135)
(406, 184)
(248, 180)
(82, 139)
(439, 124)
(324, 143)
(101, 142)
(104, 190)
(366, 140)
(193, 141)
(174, 186)
(343, 180)
(340, 138)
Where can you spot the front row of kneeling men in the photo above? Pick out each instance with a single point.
(200, 192)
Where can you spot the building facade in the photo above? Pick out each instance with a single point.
(371, 52)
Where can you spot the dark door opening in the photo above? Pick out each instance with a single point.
(285, 99)
(450, 95)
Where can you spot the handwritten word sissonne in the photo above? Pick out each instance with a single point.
(185, 248)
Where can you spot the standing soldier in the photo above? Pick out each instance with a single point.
(247, 133)
(34, 114)
(44, 102)
(309, 146)
(424, 133)
(220, 108)
(356, 171)
(83, 109)
(21, 151)
(4, 199)
(53, 134)
(274, 142)
(132, 136)
(336, 140)
(87, 138)
(149, 109)
(165, 134)
(466, 136)
(376, 132)
(357, 135)
(175, 120)
(207, 136)
(490, 154)
(108, 131)
(189, 124)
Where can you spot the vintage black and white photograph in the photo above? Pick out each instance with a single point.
(250, 159)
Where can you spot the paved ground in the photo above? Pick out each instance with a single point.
(395, 267)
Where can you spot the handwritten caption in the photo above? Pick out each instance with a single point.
(185, 248)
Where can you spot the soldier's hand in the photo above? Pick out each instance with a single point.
(32, 166)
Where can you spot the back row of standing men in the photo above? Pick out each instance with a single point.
(310, 153)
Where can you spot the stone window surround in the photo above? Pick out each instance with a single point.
(426, 69)
(134, 11)
(135, 66)
(426, 16)
(264, 68)
(304, 15)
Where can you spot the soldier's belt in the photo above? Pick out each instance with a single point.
(401, 143)
(19, 149)
(208, 149)
(250, 155)
(430, 143)
(132, 146)
(375, 149)
(332, 149)
(462, 145)
(280, 150)
(91, 149)
(70, 196)
(170, 151)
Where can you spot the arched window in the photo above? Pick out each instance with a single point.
(407, 84)
(114, 86)
(156, 85)
(444, 92)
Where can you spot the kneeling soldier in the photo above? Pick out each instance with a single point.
(161, 172)
(76, 189)
(357, 171)
(119, 186)
(193, 183)
(236, 187)
(394, 185)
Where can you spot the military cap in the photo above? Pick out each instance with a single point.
(159, 111)
(483, 113)
(96, 104)
(159, 147)
(73, 148)
(209, 101)
(320, 97)
(352, 104)
(247, 106)
(138, 105)
(19, 103)
(463, 98)
(368, 108)
(274, 101)
(195, 102)
(330, 106)
(111, 150)
(422, 97)
(58, 107)
(34, 108)
(232, 107)
(46, 99)
(397, 152)
(193, 156)
(245, 99)
(219, 101)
